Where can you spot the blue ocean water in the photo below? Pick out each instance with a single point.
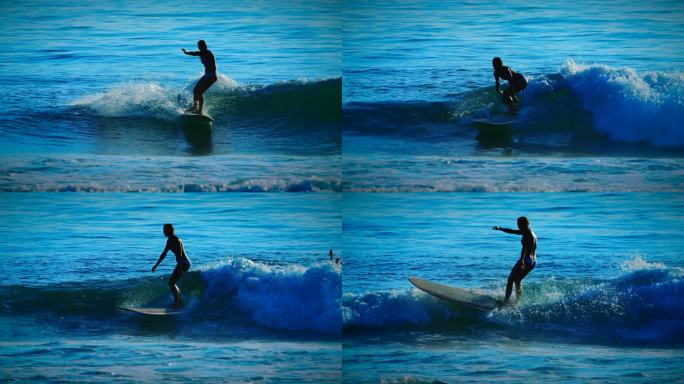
(105, 84)
(605, 89)
(262, 301)
(603, 303)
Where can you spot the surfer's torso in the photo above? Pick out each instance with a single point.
(175, 245)
(208, 61)
(507, 73)
(529, 247)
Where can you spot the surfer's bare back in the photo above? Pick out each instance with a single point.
(516, 83)
(207, 80)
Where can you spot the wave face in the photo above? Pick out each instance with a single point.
(291, 297)
(301, 100)
(643, 305)
(299, 117)
(582, 107)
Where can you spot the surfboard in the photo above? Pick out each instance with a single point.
(498, 120)
(457, 295)
(196, 116)
(153, 311)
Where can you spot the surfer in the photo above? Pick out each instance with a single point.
(338, 260)
(516, 83)
(528, 256)
(175, 245)
(207, 80)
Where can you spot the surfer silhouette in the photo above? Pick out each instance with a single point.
(205, 81)
(528, 256)
(337, 260)
(516, 83)
(175, 245)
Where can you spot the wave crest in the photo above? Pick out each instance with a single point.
(631, 106)
(285, 297)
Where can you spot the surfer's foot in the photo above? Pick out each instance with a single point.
(507, 303)
(194, 108)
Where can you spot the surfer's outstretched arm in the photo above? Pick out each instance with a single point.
(507, 230)
(191, 53)
(161, 257)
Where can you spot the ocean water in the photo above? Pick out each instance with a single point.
(602, 111)
(604, 302)
(262, 300)
(98, 89)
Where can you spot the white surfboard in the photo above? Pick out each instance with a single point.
(153, 311)
(457, 295)
(196, 116)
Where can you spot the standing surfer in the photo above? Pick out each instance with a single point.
(516, 83)
(207, 80)
(175, 245)
(528, 256)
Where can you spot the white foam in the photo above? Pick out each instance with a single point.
(290, 296)
(630, 106)
(133, 99)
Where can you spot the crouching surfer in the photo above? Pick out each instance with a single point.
(516, 83)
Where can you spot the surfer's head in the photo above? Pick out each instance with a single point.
(497, 62)
(168, 230)
(523, 223)
(202, 45)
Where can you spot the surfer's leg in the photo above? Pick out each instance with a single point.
(200, 99)
(513, 278)
(518, 283)
(177, 273)
(194, 96)
(202, 87)
(197, 98)
(509, 288)
(508, 97)
(520, 85)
